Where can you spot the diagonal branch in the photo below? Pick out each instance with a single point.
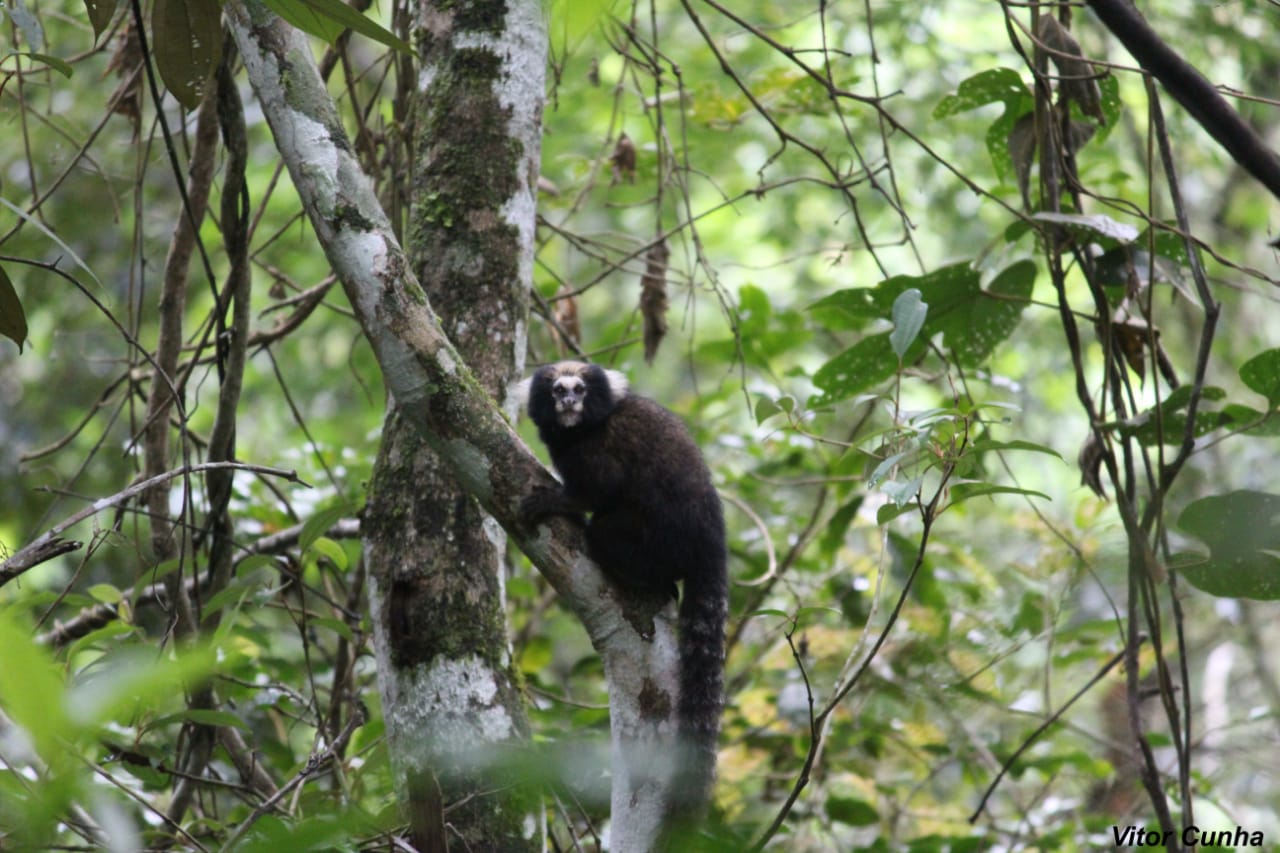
(434, 389)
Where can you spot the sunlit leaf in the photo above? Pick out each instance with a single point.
(326, 19)
(908, 317)
(317, 525)
(1093, 225)
(332, 550)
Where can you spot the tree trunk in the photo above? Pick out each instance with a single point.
(444, 401)
(451, 695)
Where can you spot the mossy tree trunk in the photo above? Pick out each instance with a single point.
(451, 697)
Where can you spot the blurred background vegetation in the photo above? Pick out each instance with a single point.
(772, 194)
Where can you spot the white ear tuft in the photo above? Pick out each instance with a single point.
(619, 385)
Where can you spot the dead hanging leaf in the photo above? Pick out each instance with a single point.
(623, 160)
(653, 298)
(1022, 151)
(1090, 460)
(1077, 78)
(568, 328)
(187, 43)
(126, 62)
(1132, 333)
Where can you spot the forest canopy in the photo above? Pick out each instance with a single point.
(965, 309)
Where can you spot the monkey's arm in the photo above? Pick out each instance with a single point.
(546, 501)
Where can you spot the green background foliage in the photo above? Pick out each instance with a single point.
(916, 482)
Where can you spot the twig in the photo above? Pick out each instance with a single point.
(23, 554)
(1041, 729)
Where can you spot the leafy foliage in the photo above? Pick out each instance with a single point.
(889, 327)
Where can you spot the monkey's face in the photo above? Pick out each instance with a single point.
(570, 394)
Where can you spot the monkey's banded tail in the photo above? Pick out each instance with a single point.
(704, 606)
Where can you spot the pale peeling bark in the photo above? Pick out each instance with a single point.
(444, 401)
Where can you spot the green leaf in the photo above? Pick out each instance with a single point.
(317, 525)
(106, 593)
(13, 320)
(971, 319)
(59, 65)
(852, 811)
(337, 626)
(1242, 530)
(888, 512)
(868, 362)
(901, 493)
(332, 550)
(1262, 374)
(32, 693)
(100, 14)
(204, 717)
(187, 44)
(984, 445)
(766, 408)
(962, 492)
(996, 85)
(326, 19)
(908, 316)
(128, 677)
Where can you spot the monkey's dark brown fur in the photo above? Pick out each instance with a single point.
(655, 519)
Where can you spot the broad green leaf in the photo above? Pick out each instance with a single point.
(908, 316)
(32, 693)
(59, 65)
(13, 320)
(202, 716)
(1242, 530)
(766, 408)
(106, 593)
(971, 319)
(1262, 374)
(132, 676)
(337, 626)
(317, 525)
(868, 362)
(332, 550)
(996, 85)
(187, 44)
(962, 492)
(901, 493)
(983, 445)
(100, 14)
(851, 811)
(327, 19)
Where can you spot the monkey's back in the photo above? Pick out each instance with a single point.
(656, 516)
